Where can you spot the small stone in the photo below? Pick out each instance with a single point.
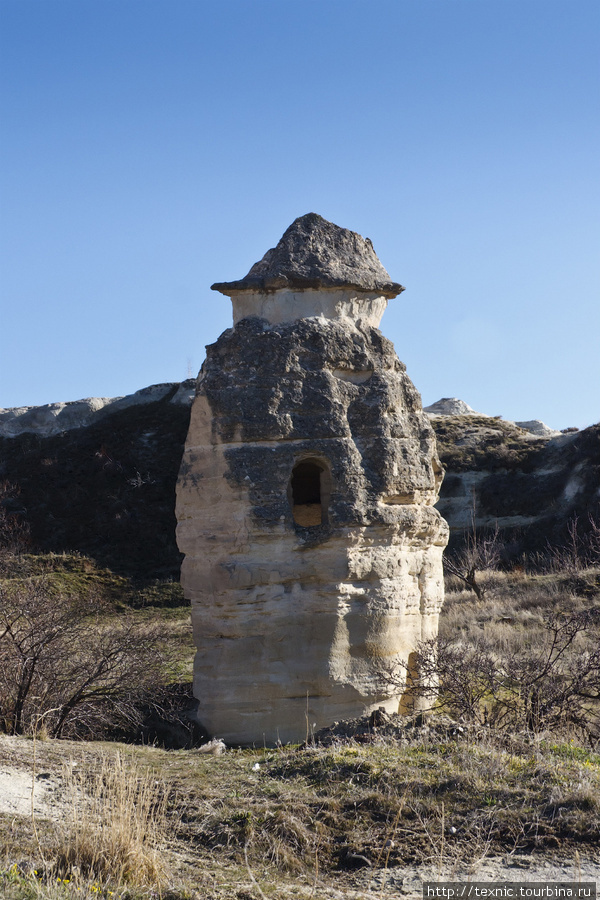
(214, 747)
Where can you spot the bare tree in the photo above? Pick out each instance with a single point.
(72, 661)
(481, 552)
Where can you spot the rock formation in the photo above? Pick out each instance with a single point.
(539, 428)
(106, 487)
(56, 418)
(450, 406)
(527, 485)
(305, 497)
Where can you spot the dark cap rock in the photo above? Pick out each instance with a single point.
(314, 253)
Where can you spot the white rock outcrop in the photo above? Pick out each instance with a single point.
(539, 428)
(450, 406)
(54, 418)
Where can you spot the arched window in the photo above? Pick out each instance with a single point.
(309, 492)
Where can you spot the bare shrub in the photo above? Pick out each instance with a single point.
(569, 556)
(69, 662)
(481, 553)
(594, 540)
(14, 529)
(548, 683)
(581, 548)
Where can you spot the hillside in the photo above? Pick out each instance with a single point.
(106, 486)
(98, 477)
(530, 486)
(501, 784)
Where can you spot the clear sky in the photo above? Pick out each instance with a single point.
(152, 147)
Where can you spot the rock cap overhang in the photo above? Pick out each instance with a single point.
(316, 254)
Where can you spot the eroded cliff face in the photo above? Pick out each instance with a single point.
(305, 513)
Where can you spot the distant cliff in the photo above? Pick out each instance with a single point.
(529, 485)
(98, 476)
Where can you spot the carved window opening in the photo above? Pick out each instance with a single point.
(309, 492)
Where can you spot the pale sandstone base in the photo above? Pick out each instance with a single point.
(292, 637)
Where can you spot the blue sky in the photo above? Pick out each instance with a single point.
(152, 147)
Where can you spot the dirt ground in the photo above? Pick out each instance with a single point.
(19, 788)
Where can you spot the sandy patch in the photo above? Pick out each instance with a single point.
(17, 787)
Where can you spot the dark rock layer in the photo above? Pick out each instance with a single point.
(315, 253)
(108, 489)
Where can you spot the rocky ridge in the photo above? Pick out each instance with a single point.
(56, 418)
(451, 406)
(101, 479)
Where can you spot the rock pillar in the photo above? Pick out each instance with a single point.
(313, 553)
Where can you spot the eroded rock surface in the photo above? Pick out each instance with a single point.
(314, 253)
(450, 406)
(56, 418)
(293, 622)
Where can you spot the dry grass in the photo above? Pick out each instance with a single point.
(109, 835)
(183, 825)
(115, 824)
(515, 602)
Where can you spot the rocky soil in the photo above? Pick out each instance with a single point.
(204, 855)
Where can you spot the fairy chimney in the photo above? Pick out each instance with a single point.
(313, 552)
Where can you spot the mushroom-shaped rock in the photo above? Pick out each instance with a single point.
(317, 268)
(305, 500)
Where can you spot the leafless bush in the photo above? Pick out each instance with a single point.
(551, 683)
(480, 553)
(14, 530)
(70, 663)
(594, 539)
(580, 550)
